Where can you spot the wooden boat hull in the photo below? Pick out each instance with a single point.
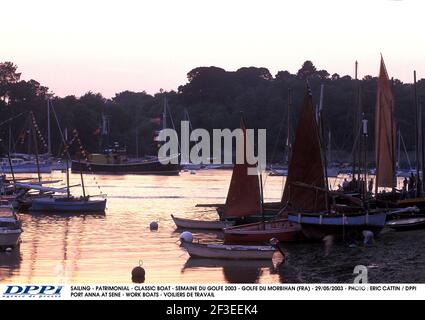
(65, 205)
(218, 251)
(317, 226)
(153, 167)
(261, 232)
(201, 224)
(408, 223)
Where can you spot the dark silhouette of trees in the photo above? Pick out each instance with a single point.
(214, 97)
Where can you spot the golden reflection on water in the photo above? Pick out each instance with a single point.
(105, 248)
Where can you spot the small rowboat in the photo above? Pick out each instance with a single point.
(234, 252)
(405, 224)
(202, 224)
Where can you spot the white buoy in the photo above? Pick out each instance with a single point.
(9, 249)
(186, 236)
(153, 226)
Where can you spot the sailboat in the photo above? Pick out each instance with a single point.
(251, 198)
(69, 203)
(307, 198)
(243, 202)
(187, 164)
(386, 161)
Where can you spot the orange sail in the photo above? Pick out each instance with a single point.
(384, 131)
(305, 187)
(243, 198)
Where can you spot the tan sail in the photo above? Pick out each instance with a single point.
(385, 131)
(306, 166)
(243, 198)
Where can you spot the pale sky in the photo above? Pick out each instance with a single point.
(110, 46)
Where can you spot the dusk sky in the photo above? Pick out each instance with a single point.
(110, 46)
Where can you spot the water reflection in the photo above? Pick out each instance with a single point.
(234, 271)
(59, 237)
(106, 248)
(10, 263)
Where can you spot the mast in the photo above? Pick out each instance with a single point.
(11, 170)
(49, 142)
(416, 128)
(35, 147)
(398, 148)
(10, 136)
(355, 121)
(164, 113)
(322, 140)
(68, 193)
(81, 175)
(422, 147)
(262, 201)
(365, 134)
(329, 146)
(288, 126)
(137, 142)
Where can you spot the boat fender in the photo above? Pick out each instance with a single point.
(186, 236)
(153, 226)
(138, 273)
(9, 249)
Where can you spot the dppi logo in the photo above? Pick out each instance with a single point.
(32, 291)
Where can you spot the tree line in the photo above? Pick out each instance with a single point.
(213, 98)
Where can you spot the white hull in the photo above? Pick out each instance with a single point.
(201, 224)
(234, 252)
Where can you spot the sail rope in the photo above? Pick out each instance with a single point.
(37, 130)
(84, 153)
(86, 157)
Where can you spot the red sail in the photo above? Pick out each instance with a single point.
(384, 131)
(243, 198)
(305, 187)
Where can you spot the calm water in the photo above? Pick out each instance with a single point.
(105, 248)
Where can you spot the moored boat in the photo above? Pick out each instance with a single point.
(201, 224)
(316, 227)
(68, 204)
(113, 164)
(234, 252)
(10, 227)
(407, 223)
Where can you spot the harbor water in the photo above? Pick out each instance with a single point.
(105, 248)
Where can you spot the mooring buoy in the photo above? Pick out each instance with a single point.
(153, 226)
(138, 273)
